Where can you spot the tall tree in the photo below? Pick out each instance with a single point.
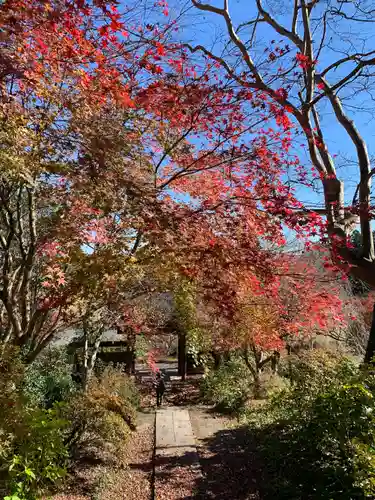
(119, 151)
(63, 66)
(301, 57)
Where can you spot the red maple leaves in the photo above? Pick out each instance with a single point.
(185, 164)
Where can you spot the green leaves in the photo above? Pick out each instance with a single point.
(228, 387)
(42, 455)
(15, 495)
(29, 473)
(321, 429)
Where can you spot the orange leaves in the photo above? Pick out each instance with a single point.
(86, 81)
(295, 301)
(55, 277)
(283, 120)
(125, 99)
(116, 25)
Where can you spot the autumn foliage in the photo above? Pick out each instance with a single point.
(127, 166)
(139, 172)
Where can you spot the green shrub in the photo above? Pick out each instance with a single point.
(49, 378)
(32, 451)
(343, 420)
(114, 381)
(318, 436)
(307, 376)
(36, 442)
(142, 346)
(11, 404)
(228, 387)
(40, 455)
(11, 376)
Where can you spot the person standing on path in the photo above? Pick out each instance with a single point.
(160, 388)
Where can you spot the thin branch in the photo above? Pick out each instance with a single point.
(233, 35)
(208, 8)
(295, 18)
(352, 57)
(136, 243)
(333, 88)
(291, 35)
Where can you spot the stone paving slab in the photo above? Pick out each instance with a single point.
(173, 428)
(205, 423)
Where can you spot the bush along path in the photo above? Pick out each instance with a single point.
(99, 476)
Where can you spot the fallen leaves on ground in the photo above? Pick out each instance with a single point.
(102, 478)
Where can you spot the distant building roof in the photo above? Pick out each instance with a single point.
(71, 334)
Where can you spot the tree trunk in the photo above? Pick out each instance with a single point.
(89, 360)
(217, 360)
(275, 362)
(85, 367)
(258, 390)
(370, 349)
(130, 360)
(255, 370)
(182, 355)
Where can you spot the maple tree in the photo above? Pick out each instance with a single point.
(127, 166)
(289, 307)
(295, 306)
(300, 73)
(61, 71)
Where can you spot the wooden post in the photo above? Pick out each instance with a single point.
(182, 355)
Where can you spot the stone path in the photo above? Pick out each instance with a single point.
(182, 437)
(173, 430)
(177, 467)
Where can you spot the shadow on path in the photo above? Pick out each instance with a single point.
(230, 467)
(268, 464)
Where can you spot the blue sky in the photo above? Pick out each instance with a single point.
(209, 30)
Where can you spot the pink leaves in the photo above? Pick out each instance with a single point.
(151, 361)
(164, 5)
(51, 250)
(54, 278)
(96, 232)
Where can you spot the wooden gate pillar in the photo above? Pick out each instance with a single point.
(182, 355)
